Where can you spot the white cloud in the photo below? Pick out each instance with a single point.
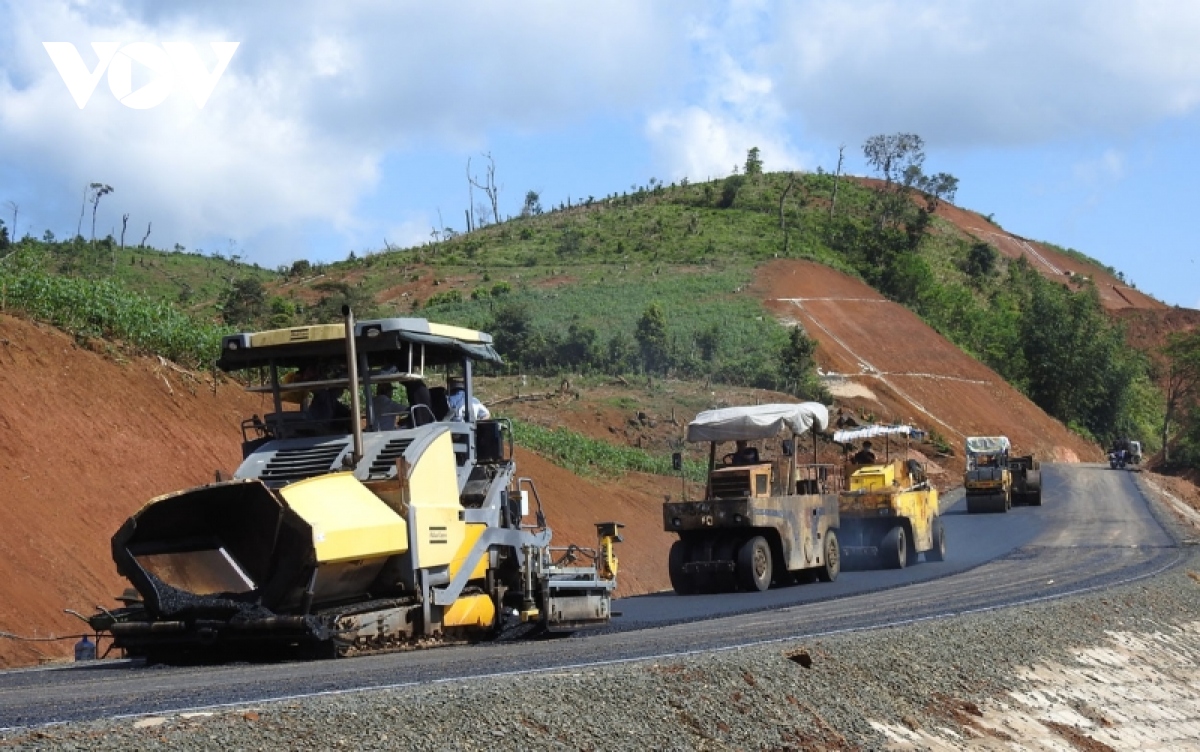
(1104, 170)
(410, 232)
(738, 108)
(296, 136)
(982, 73)
(297, 128)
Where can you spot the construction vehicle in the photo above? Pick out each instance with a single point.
(762, 519)
(1026, 474)
(888, 510)
(1124, 452)
(335, 537)
(994, 480)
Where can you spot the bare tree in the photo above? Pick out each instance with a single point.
(836, 176)
(99, 191)
(489, 186)
(145, 237)
(782, 222)
(82, 208)
(783, 197)
(124, 224)
(470, 198)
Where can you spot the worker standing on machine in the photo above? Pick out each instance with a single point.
(864, 456)
(456, 396)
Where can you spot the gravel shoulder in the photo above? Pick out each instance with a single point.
(1113, 669)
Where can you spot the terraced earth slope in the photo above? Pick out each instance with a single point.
(881, 358)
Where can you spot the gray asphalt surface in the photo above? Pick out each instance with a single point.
(1094, 530)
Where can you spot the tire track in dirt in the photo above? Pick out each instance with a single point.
(916, 374)
(871, 369)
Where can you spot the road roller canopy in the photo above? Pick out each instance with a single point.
(408, 344)
(849, 435)
(987, 444)
(757, 422)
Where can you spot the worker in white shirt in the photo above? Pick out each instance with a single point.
(456, 396)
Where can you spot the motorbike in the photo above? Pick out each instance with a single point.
(1117, 460)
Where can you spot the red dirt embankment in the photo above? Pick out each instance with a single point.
(1148, 330)
(87, 438)
(881, 357)
(1115, 294)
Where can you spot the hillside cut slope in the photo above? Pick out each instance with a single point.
(882, 356)
(86, 438)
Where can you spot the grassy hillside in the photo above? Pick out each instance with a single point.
(655, 280)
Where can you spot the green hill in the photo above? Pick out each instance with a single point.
(653, 280)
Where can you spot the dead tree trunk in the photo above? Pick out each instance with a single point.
(470, 198)
(124, 224)
(489, 187)
(782, 220)
(836, 175)
(82, 208)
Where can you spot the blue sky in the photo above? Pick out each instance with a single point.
(338, 126)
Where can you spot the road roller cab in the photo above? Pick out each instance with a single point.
(994, 480)
(766, 516)
(888, 510)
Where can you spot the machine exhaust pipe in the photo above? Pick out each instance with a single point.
(355, 397)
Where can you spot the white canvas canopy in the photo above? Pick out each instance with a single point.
(757, 422)
(847, 435)
(987, 444)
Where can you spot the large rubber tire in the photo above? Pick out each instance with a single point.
(754, 564)
(724, 549)
(938, 552)
(893, 549)
(682, 582)
(831, 562)
(911, 554)
(1033, 483)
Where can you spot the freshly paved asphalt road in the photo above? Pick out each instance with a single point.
(1095, 529)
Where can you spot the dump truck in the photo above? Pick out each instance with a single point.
(994, 480)
(763, 519)
(888, 510)
(338, 537)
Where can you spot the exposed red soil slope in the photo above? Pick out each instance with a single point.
(574, 505)
(914, 374)
(87, 437)
(1148, 329)
(1114, 293)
